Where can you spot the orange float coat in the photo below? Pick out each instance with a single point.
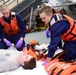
(12, 28)
(57, 66)
(70, 34)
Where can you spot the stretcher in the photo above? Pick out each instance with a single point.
(38, 70)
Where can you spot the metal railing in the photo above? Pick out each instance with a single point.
(11, 3)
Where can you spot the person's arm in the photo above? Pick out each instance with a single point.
(1, 33)
(3, 38)
(22, 26)
(56, 31)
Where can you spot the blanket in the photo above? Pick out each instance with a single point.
(39, 70)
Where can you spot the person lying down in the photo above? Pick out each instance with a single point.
(13, 59)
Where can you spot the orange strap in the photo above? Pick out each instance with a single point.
(30, 52)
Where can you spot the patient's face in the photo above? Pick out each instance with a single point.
(24, 57)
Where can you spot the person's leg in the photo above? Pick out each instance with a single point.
(60, 44)
(70, 48)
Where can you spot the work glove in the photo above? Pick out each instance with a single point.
(47, 33)
(8, 43)
(19, 43)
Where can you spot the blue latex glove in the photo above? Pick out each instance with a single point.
(26, 45)
(8, 43)
(44, 62)
(47, 33)
(19, 43)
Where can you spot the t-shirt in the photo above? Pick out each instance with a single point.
(8, 59)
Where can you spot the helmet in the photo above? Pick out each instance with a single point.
(32, 42)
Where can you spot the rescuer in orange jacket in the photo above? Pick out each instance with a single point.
(12, 29)
(60, 26)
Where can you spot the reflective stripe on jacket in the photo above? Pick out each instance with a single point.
(56, 67)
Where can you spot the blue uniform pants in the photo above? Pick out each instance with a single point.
(70, 48)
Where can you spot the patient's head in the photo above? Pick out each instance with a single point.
(30, 64)
(27, 61)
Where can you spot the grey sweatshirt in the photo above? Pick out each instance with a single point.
(8, 60)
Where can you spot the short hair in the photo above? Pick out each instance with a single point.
(46, 9)
(30, 64)
(3, 7)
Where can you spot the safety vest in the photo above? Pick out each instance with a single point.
(60, 67)
(70, 34)
(12, 28)
(55, 67)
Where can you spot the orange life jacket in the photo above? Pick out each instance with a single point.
(30, 52)
(70, 34)
(57, 67)
(12, 28)
(35, 53)
(73, 74)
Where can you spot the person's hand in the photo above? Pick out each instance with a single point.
(47, 33)
(48, 59)
(45, 62)
(8, 43)
(19, 43)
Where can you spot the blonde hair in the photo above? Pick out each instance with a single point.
(46, 9)
(3, 7)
